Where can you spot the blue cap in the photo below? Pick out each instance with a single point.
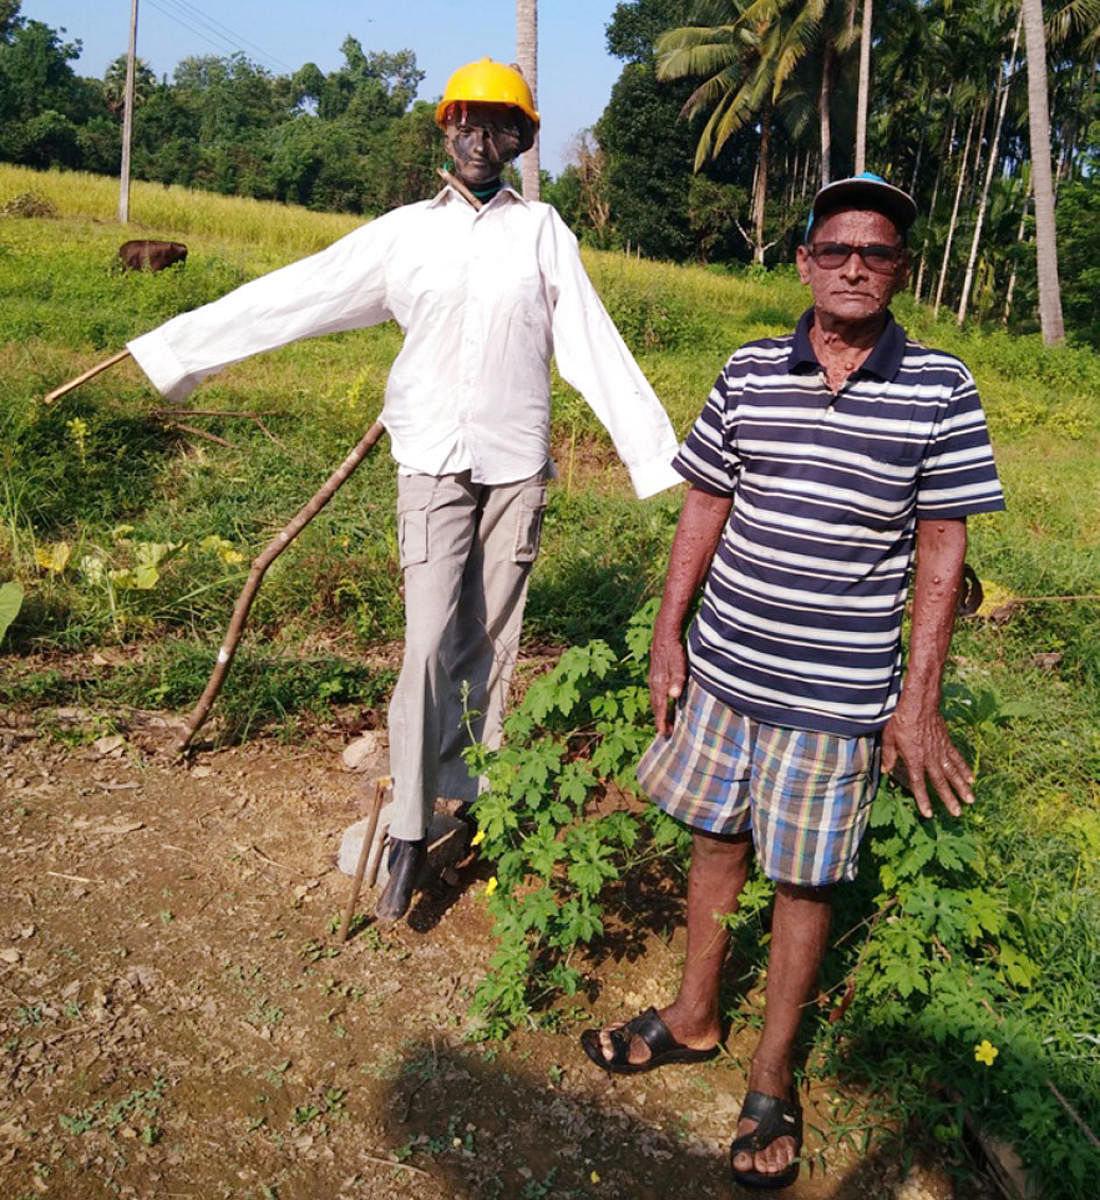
(868, 191)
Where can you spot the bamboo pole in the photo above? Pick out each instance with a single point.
(458, 186)
(259, 566)
(90, 373)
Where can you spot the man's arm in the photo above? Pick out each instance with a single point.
(916, 733)
(702, 520)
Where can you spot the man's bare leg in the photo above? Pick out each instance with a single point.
(719, 868)
(800, 933)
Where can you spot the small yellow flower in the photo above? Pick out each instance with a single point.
(491, 886)
(985, 1052)
(478, 838)
(595, 1177)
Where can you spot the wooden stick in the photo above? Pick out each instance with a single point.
(259, 565)
(90, 373)
(196, 432)
(1073, 1113)
(459, 187)
(364, 851)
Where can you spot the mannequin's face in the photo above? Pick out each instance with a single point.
(482, 139)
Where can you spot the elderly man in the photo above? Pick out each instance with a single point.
(821, 462)
(486, 287)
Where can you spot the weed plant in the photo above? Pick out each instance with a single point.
(953, 989)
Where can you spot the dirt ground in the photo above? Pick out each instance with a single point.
(178, 1019)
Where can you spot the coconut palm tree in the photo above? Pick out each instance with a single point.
(1046, 240)
(527, 54)
(749, 52)
(864, 88)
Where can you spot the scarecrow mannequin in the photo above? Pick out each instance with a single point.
(486, 287)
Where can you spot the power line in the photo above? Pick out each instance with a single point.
(208, 29)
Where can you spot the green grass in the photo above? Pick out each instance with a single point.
(73, 473)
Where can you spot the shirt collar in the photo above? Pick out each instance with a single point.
(449, 195)
(883, 361)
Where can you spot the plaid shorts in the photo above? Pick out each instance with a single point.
(806, 796)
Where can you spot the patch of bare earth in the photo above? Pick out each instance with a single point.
(178, 1019)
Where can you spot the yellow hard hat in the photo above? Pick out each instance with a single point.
(488, 82)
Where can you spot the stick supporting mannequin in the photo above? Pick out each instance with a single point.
(90, 373)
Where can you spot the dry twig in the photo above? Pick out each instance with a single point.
(255, 576)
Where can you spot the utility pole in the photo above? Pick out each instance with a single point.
(128, 119)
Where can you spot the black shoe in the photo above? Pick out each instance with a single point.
(405, 861)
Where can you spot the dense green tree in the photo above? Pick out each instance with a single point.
(114, 84)
(1078, 238)
(42, 101)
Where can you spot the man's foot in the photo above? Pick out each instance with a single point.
(645, 1043)
(405, 861)
(764, 1154)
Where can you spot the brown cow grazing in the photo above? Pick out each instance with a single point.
(144, 254)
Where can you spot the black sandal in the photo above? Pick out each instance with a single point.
(775, 1118)
(663, 1047)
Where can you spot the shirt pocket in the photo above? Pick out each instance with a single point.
(530, 511)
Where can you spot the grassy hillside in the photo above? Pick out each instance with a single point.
(127, 529)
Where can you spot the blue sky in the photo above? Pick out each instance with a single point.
(575, 71)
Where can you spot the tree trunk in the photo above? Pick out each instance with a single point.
(864, 89)
(527, 54)
(1012, 274)
(1046, 238)
(954, 216)
(825, 100)
(978, 150)
(931, 216)
(1005, 83)
(760, 191)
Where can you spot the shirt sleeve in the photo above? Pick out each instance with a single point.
(958, 477)
(342, 287)
(593, 357)
(707, 459)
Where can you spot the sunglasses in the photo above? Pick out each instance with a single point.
(881, 259)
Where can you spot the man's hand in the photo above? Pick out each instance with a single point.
(667, 675)
(916, 733)
(921, 743)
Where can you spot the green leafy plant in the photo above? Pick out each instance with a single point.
(11, 601)
(578, 732)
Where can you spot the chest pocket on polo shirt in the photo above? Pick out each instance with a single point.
(897, 452)
(529, 514)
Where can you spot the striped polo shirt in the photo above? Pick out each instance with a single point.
(800, 622)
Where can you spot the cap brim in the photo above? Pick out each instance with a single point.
(878, 196)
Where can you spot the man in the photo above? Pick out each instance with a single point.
(486, 286)
(821, 462)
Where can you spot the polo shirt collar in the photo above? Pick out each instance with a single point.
(883, 361)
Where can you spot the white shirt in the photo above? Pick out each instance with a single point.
(484, 297)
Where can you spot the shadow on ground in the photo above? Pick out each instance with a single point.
(594, 1140)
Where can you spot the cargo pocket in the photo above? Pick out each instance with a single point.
(532, 505)
(412, 536)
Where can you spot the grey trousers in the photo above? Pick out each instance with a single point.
(466, 550)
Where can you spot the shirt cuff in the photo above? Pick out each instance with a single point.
(653, 476)
(158, 360)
